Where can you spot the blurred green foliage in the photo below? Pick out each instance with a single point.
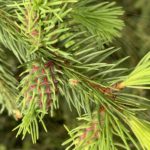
(135, 42)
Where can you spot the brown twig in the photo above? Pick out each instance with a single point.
(109, 91)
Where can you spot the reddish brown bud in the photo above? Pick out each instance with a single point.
(34, 33)
(35, 68)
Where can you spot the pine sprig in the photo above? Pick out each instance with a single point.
(9, 34)
(8, 91)
(30, 124)
(140, 76)
(101, 131)
(141, 129)
(38, 96)
(85, 136)
(98, 18)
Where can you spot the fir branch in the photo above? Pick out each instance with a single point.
(57, 43)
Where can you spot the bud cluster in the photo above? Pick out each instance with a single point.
(42, 85)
